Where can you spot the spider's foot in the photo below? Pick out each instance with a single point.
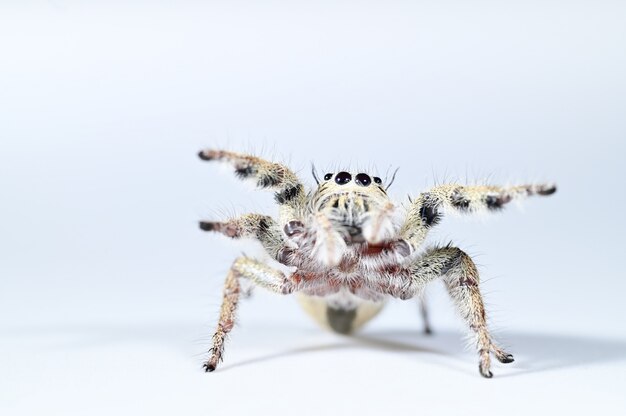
(208, 154)
(507, 359)
(484, 364)
(485, 372)
(207, 226)
(503, 356)
(209, 366)
(428, 331)
(225, 228)
(547, 189)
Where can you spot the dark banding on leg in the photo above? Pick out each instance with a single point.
(288, 190)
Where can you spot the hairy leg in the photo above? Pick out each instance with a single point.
(259, 227)
(261, 275)
(424, 314)
(289, 191)
(426, 211)
(460, 276)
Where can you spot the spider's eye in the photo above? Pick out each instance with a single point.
(328, 176)
(362, 179)
(377, 180)
(343, 178)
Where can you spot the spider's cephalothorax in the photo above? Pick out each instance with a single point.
(350, 248)
(348, 200)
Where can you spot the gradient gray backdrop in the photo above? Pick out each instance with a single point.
(109, 292)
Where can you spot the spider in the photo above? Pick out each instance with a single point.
(350, 247)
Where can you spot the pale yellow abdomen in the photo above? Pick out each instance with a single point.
(336, 318)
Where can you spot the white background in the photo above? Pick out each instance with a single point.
(109, 293)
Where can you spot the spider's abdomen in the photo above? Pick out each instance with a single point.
(343, 312)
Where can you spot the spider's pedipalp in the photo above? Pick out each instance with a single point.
(330, 245)
(378, 226)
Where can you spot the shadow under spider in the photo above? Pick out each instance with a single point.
(534, 352)
(359, 340)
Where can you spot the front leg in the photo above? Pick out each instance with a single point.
(259, 227)
(289, 191)
(261, 275)
(428, 208)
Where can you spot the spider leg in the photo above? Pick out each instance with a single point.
(261, 275)
(424, 314)
(289, 191)
(426, 210)
(460, 276)
(256, 226)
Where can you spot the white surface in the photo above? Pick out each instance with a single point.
(154, 369)
(109, 293)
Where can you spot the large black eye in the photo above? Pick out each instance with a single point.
(328, 176)
(377, 180)
(343, 178)
(362, 179)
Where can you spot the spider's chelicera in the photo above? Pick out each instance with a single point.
(350, 248)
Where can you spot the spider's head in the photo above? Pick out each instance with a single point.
(349, 195)
(357, 207)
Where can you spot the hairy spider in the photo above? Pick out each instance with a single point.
(350, 251)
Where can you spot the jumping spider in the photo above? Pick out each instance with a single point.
(347, 252)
